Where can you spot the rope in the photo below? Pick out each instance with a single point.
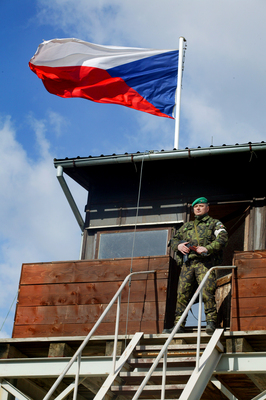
(133, 244)
(8, 312)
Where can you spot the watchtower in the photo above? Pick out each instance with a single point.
(135, 204)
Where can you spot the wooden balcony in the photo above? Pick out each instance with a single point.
(67, 298)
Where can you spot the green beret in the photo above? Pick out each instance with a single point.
(199, 200)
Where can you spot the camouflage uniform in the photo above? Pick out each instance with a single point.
(210, 233)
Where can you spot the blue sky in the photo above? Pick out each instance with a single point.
(223, 101)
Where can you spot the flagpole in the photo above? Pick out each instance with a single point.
(178, 90)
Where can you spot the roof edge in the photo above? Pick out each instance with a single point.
(158, 155)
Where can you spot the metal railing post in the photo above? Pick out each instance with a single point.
(116, 331)
(164, 375)
(75, 394)
(199, 331)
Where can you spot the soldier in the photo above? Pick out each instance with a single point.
(209, 237)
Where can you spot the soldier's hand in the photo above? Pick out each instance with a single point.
(183, 248)
(201, 249)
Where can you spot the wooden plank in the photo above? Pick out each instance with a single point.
(28, 331)
(251, 272)
(249, 306)
(250, 263)
(90, 293)
(249, 288)
(248, 324)
(224, 280)
(242, 255)
(88, 313)
(47, 273)
(250, 268)
(89, 270)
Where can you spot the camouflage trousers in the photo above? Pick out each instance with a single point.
(191, 274)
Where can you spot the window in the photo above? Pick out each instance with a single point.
(145, 243)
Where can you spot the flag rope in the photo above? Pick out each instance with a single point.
(133, 244)
(9, 311)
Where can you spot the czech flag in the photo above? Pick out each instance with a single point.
(143, 79)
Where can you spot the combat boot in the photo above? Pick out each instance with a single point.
(210, 327)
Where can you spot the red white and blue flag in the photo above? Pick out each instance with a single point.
(143, 79)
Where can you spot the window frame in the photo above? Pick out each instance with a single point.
(138, 229)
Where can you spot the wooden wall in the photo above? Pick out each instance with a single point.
(67, 298)
(248, 305)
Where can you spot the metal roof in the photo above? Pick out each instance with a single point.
(154, 155)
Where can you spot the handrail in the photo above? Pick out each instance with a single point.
(172, 334)
(84, 343)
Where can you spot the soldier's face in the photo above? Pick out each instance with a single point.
(201, 209)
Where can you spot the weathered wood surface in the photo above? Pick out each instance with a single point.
(90, 293)
(83, 314)
(223, 300)
(109, 270)
(248, 305)
(27, 331)
(240, 385)
(60, 350)
(67, 298)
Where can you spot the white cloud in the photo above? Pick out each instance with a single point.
(37, 224)
(57, 122)
(208, 125)
(153, 129)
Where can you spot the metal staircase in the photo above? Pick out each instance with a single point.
(180, 381)
(178, 368)
(204, 366)
(180, 361)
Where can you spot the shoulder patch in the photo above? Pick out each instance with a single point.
(219, 224)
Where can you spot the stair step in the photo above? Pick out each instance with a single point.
(172, 377)
(173, 350)
(148, 389)
(170, 347)
(171, 362)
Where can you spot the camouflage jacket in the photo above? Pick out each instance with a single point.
(205, 231)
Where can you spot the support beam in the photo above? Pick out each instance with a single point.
(69, 197)
(52, 367)
(241, 345)
(60, 350)
(261, 396)
(13, 390)
(119, 365)
(3, 393)
(208, 361)
(223, 389)
(230, 389)
(242, 363)
(67, 390)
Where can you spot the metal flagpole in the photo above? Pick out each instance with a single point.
(178, 90)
